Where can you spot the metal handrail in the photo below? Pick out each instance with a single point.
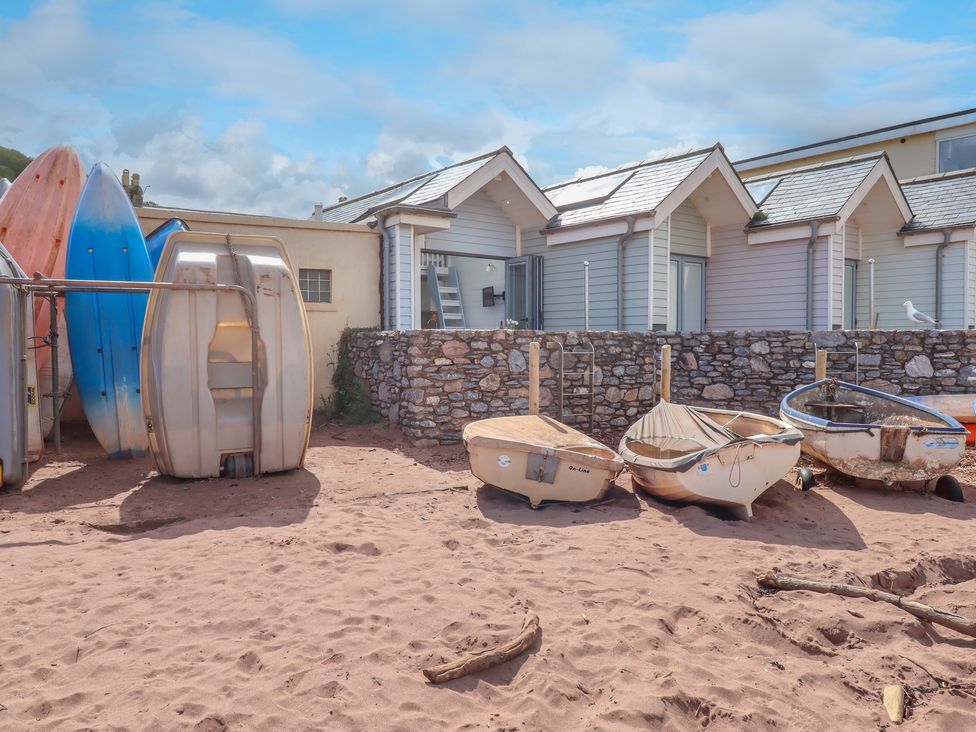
(53, 287)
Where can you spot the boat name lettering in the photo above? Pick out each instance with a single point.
(942, 443)
(578, 470)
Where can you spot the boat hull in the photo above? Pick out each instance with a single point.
(196, 359)
(105, 329)
(35, 220)
(540, 459)
(927, 446)
(732, 477)
(961, 407)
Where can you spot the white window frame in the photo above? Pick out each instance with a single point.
(304, 282)
(969, 131)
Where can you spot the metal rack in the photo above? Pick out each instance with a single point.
(587, 354)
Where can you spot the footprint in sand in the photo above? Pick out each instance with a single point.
(250, 662)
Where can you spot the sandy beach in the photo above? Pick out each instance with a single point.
(312, 600)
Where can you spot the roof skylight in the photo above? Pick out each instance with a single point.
(761, 189)
(590, 191)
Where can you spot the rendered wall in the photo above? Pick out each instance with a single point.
(432, 383)
(351, 251)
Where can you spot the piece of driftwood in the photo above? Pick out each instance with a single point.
(475, 662)
(775, 581)
(894, 702)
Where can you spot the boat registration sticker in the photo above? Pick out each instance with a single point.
(703, 467)
(504, 461)
(942, 443)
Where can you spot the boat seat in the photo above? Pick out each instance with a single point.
(229, 375)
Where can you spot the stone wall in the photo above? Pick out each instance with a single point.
(432, 382)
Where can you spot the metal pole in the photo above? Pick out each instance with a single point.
(872, 316)
(55, 373)
(586, 296)
(52, 286)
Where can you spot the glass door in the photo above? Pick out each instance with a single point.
(686, 293)
(850, 294)
(523, 291)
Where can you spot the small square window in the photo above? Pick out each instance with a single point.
(957, 153)
(315, 284)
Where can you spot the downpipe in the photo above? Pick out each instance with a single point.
(814, 228)
(385, 272)
(939, 274)
(620, 270)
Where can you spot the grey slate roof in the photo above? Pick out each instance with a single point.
(812, 192)
(945, 200)
(416, 191)
(641, 193)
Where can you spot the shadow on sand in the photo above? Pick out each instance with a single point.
(907, 502)
(782, 515)
(509, 508)
(153, 506)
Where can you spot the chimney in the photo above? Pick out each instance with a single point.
(135, 180)
(125, 178)
(343, 199)
(317, 216)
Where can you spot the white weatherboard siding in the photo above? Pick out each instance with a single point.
(660, 274)
(971, 284)
(480, 228)
(908, 273)
(755, 286)
(821, 269)
(635, 282)
(407, 261)
(533, 243)
(563, 289)
(688, 231)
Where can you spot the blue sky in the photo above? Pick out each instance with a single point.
(271, 105)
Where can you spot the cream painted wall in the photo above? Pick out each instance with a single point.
(351, 251)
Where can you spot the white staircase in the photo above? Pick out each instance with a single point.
(445, 294)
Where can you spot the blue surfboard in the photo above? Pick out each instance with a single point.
(156, 239)
(105, 329)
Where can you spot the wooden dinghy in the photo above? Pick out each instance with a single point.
(873, 436)
(35, 221)
(197, 375)
(961, 407)
(714, 456)
(540, 458)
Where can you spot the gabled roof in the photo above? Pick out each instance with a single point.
(811, 192)
(637, 189)
(941, 201)
(421, 190)
(915, 127)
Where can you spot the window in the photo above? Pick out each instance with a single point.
(585, 192)
(686, 293)
(315, 284)
(850, 294)
(957, 153)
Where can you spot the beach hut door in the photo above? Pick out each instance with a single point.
(523, 291)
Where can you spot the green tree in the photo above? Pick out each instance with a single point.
(12, 162)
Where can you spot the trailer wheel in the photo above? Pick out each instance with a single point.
(238, 466)
(948, 488)
(806, 479)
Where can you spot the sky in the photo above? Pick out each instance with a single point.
(268, 106)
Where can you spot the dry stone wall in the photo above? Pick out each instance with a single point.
(432, 383)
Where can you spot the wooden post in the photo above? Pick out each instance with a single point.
(533, 378)
(821, 372)
(666, 373)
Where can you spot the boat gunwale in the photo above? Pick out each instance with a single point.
(954, 427)
(614, 465)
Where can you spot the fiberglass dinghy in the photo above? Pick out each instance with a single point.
(540, 458)
(715, 456)
(873, 436)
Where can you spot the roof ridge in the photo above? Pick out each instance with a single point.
(855, 135)
(632, 166)
(835, 163)
(370, 194)
(961, 173)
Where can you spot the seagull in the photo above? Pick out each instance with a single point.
(917, 316)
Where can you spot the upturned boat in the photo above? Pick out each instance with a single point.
(720, 457)
(540, 458)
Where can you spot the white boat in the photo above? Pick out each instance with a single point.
(540, 458)
(961, 407)
(714, 456)
(20, 438)
(198, 379)
(873, 436)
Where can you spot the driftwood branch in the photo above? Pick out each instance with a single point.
(475, 662)
(775, 581)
